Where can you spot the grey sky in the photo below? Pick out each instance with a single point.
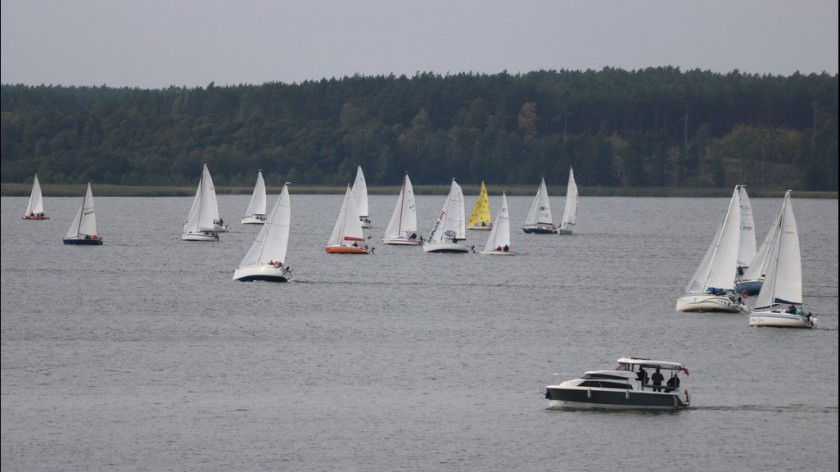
(158, 43)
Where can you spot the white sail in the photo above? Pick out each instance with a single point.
(404, 218)
(783, 282)
(273, 239)
(746, 247)
(360, 194)
(347, 226)
(451, 223)
(540, 212)
(717, 270)
(84, 224)
(35, 206)
(570, 210)
(500, 234)
(758, 264)
(255, 212)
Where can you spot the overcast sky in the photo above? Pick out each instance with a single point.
(158, 43)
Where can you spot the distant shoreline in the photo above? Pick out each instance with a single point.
(108, 190)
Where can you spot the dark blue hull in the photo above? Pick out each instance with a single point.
(84, 242)
(538, 230)
(751, 286)
(629, 399)
(264, 278)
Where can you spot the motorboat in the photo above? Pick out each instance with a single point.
(633, 384)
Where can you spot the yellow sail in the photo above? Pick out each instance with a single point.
(480, 217)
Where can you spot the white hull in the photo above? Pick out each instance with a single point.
(402, 241)
(253, 220)
(781, 320)
(445, 247)
(565, 230)
(263, 272)
(498, 253)
(199, 237)
(708, 303)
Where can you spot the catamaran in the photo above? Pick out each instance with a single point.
(480, 216)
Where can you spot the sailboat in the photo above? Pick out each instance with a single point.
(779, 302)
(711, 287)
(203, 220)
(347, 235)
(361, 196)
(539, 216)
(83, 229)
(570, 210)
(749, 283)
(255, 214)
(450, 225)
(35, 207)
(402, 229)
(498, 243)
(266, 258)
(746, 241)
(480, 216)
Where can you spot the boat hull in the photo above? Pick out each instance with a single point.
(707, 303)
(34, 218)
(563, 231)
(595, 398)
(402, 241)
(253, 220)
(267, 273)
(752, 287)
(345, 249)
(200, 236)
(446, 247)
(83, 241)
(781, 320)
(539, 229)
(498, 253)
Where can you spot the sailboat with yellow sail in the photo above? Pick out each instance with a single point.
(480, 216)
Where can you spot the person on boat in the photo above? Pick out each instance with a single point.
(498, 248)
(791, 309)
(506, 248)
(657, 379)
(673, 383)
(642, 376)
(276, 264)
(413, 236)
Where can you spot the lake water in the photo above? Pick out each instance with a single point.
(144, 355)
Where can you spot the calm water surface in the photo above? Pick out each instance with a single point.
(144, 355)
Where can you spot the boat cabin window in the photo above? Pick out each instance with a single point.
(603, 384)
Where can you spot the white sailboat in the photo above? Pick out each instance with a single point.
(83, 229)
(779, 302)
(570, 211)
(450, 226)
(498, 243)
(712, 286)
(360, 194)
(203, 219)
(266, 259)
(347, 236)
(749, 283)
(746, 242)
(255, 214)
(402, 229)
(35, 206)
(539, 216)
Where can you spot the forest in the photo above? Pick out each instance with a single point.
(656, 127)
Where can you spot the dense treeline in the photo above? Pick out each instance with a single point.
(656, 127)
